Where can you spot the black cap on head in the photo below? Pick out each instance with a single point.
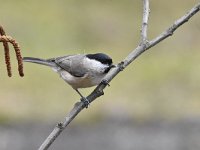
(103, 58)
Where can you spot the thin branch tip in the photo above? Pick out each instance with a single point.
(145, 18)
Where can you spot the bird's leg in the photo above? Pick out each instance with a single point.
(83, 99)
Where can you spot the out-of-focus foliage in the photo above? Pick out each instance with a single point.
(163, 83)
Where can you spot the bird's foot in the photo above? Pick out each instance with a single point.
(105, 82)
(85, 101)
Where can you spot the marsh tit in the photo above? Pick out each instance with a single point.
(79, 71)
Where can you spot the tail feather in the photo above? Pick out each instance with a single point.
(39, 61)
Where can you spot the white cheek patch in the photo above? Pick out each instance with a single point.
(94, 65)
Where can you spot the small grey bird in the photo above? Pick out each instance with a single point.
(80, 71)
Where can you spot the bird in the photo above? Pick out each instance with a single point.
(79, 70)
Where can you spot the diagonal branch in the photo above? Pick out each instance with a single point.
(79, 106)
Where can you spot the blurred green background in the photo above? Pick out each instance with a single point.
(163, 83)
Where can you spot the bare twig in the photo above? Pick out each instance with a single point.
(132, 56)
(146, 11)
(141, 48)
(9, 39)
